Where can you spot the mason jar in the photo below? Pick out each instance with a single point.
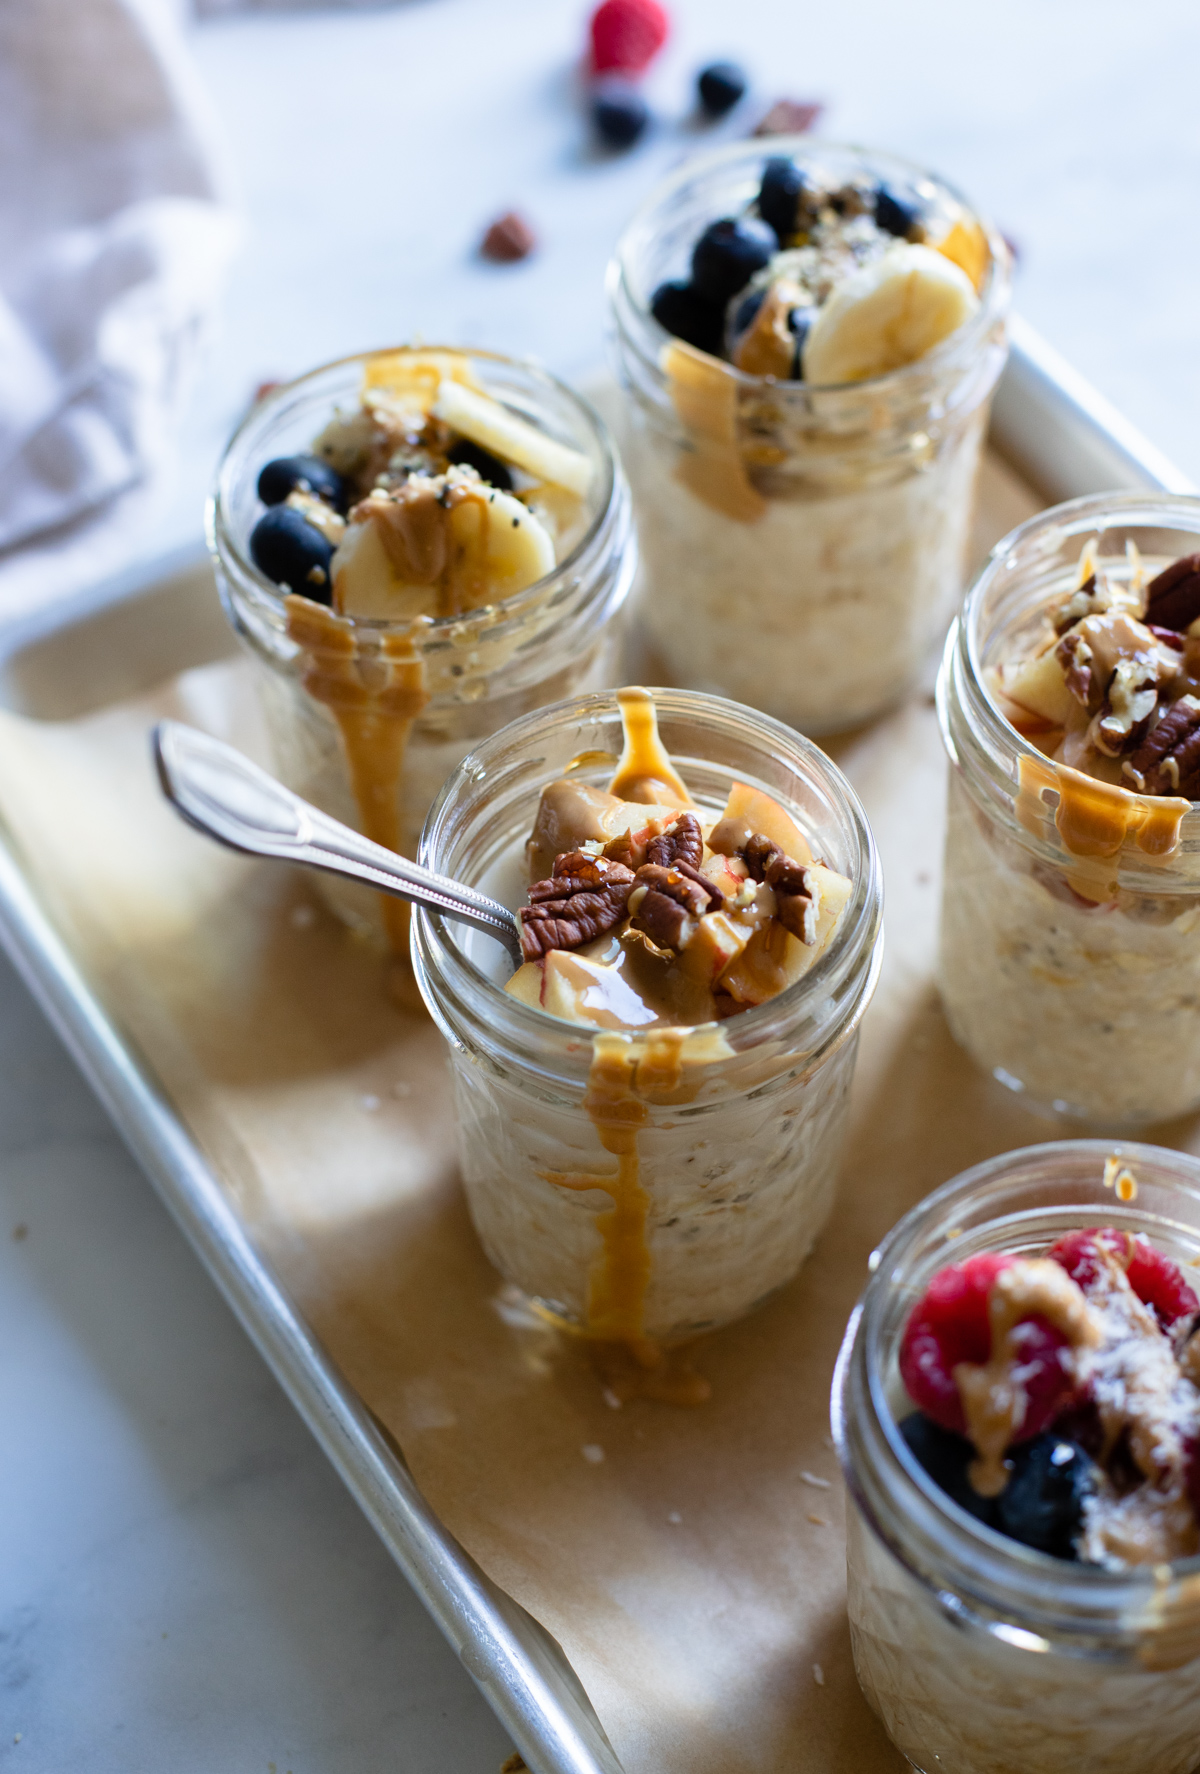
(367, 717)
(981, 1655)
(1070, 933)
(646, 1186)
(803, 547)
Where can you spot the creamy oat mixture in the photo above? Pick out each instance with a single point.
(803, 555)
(650, 923)
(1057, 976)
(1057, 1402)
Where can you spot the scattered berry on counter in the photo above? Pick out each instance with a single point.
(290, 551)
(301, 474)
(727, 255)
(262, 389)
(619, 112)
(719, 87)
(896, 216)
(508, 239)
(788, 117)
(685, 313)
(1042, 1504)
(626, 35)
(465, 454)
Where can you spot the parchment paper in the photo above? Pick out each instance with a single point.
(689, 1562)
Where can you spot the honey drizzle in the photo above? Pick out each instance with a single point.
(374, 698)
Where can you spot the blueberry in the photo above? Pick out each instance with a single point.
(619, 112)
(895, 214)
(305, 474)
(1042, 1503)
(799, 323)
(727, 255)
(945, 1457)
(684, 312)
(466, 454)
(746, 312)
(779, 196)
(290, 551)
(720, 87)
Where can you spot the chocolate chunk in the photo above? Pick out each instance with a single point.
(1167, 762)
(508, 239)
(1173, 599)
(789, 117)
(583, 899)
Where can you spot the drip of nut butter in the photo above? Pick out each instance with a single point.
(993, 1401)
(1095, 819)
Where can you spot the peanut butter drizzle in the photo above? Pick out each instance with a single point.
(768, 348)
(645, 772)
(704, 393)
(966, 245)
(374, 698)
(1095, 819)
(993, 1405)
(414, 525)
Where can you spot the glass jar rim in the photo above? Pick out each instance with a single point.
(220, 530)
(962, 667)
(1033, 1582)
(993, 303)
(858, 942)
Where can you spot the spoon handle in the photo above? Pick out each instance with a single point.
(223, 794)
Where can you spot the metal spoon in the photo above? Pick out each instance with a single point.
(224, 795)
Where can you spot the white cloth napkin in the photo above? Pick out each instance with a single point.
(114, 240)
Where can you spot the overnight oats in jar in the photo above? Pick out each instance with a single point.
(1017, 1413)
(808, 336)
(652, 1107)
(416, 546)
(1070, 707)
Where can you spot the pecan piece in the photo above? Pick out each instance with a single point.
(682, 841)
(1168, 760)
(584, 898)
(1075, 657)
(666, 902)
(796, 898)
(1074, 608)
(1173, 599)
(1124, 718)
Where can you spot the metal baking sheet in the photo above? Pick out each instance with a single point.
(1060, 438)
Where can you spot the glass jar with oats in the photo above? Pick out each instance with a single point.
(808, 337)
(1070, 706)
(416, 546)
(1016, 1409)
(651, 1108)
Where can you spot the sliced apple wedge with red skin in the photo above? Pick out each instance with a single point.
(950, 1324)
(762, 814)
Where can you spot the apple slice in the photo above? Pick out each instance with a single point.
(526, 984)
(1039, 684)
(716, 942)
(764, 815)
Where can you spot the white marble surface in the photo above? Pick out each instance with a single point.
(183, 1583)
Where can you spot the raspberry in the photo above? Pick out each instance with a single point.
(1154, 1278)
(627, 35)
(950, 1324)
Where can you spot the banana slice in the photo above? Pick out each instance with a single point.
(437, 546)
(887, 314)
(486, 422)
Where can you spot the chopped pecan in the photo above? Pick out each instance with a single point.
(1075, 657)
(1124, 718)
(1173, 599)
(1167, 762)
(796, 900)
(667, 900)
(1079, 604)
(584, 898)
(682, 841)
